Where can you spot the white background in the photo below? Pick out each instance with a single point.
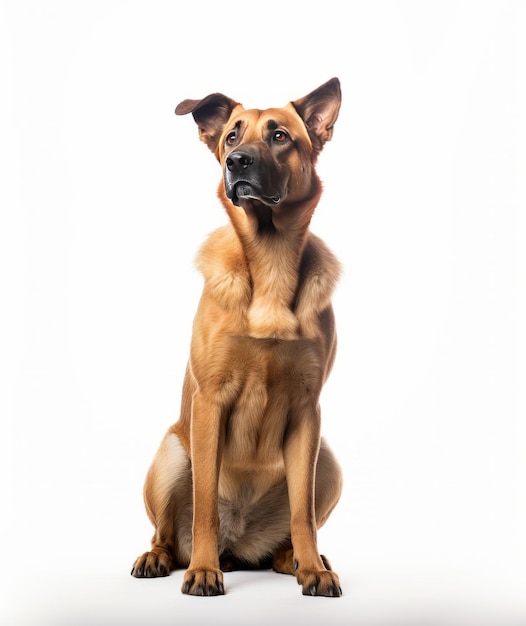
(105, 197)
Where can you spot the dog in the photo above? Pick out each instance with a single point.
(243, 479)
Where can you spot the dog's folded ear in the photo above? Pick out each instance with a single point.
(210, 114)
(319, 111)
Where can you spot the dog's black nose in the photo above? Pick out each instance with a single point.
(238, 162)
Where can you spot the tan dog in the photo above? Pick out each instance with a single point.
(243, 479)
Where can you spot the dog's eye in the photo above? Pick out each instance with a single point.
(231, 138)
(280, 136)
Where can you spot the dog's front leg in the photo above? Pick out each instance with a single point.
(300, 455)
(203, 576)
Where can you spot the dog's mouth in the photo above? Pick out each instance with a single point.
(243, 190)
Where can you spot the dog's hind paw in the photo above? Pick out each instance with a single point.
(152, 565)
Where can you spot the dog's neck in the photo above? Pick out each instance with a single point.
(273, 241)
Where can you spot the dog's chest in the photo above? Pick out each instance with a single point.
(276, 378)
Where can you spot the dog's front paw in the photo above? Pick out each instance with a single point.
(320, 583)
(202, 582)
(152, 564)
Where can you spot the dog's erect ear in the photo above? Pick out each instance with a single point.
(210, 114)
(319, 111)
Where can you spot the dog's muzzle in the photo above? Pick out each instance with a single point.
(249, 176)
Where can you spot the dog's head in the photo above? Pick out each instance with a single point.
(267, 156)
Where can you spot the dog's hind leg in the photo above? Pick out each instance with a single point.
(328, 485)
(168, 500)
